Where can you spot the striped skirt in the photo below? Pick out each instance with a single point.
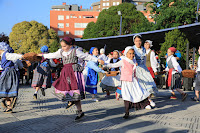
(145, 79)
(42, 77)
(9, 81)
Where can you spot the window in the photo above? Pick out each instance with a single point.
(114, 3)
(79, 16)
(96, 16)
(117, 3)
(60, 17)
(60, 25)
(67, 24)
(79, 32)
(67, 32)
(106, 4)
(80, 25)
(60, 33)
(71, 16)
(88, 16)
(67, 17)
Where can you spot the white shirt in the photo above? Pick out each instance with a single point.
(140, 50)
(79, 54)
(12, 56)
(153, 60)
(103, 57)
(175, 64)
(198, 64)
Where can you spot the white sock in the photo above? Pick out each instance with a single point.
(36, 92)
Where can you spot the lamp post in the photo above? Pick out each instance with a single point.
(120, 14)
(197, 14)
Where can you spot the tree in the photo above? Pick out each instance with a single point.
(173, 13)
(108, 22)
(176, 39)
(31, 36)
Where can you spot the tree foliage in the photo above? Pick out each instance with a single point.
(178, 40)
(173, 13)
(31, 36)
(108, 23)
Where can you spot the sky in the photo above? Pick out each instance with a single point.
(16, 11)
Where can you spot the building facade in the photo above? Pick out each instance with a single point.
(71, 20)
(140, 6)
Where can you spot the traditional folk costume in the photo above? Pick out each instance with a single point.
(104, 58)
(174, 73)
(111, 83)
(91, 75)
(133, 94)
(151, 61)
(142, 73)
(70, 85)
(42, 74)
(9, 78)
(197, 82)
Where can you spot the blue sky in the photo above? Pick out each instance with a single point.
(15, 11)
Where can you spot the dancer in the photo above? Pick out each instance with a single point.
(132, 93)
(112, 82)
(91, 72)
(151, 61)
(197, 80)
(42, 75)
(9, 78)
(174, 74)
(70, 84)
(142, 73)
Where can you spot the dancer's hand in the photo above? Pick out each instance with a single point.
(101, 61)
(39, 55)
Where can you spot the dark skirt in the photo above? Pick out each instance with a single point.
(9, 83)
(42, 77)
(140, 105)
(197, 82)
(175, 82)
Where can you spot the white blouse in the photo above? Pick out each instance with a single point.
(79, 54)
(153, 60)
(12, 56)
(175, 64)
(198, 64)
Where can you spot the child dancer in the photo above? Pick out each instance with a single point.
(174, 74)
(132, 93)
(151, 61)
(111, 83)
(91, 72)
(42, 75)
(9, 78)
(197, 80)
(71, 83)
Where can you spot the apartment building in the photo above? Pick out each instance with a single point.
(71, 20)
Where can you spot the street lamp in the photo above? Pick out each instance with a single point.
(120, 14)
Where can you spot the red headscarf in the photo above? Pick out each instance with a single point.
(173, 49)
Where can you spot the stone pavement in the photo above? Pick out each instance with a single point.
(48, 115)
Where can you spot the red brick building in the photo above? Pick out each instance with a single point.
(71, 20)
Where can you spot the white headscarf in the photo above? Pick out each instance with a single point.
(102, 51)
(127, 49)
(136, 36)
(150, 43)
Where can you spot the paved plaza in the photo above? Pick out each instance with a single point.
(48, 115)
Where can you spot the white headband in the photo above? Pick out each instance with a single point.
(150, 42)
(127, 49)
(136, 36)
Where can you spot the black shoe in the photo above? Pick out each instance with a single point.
(35, 96)
(70, 104)
(195, 99)
(3, 103)
(8, 111)
(126, 116)
(14, 101)
(184, 97)
(43, 92)
(79, 115)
